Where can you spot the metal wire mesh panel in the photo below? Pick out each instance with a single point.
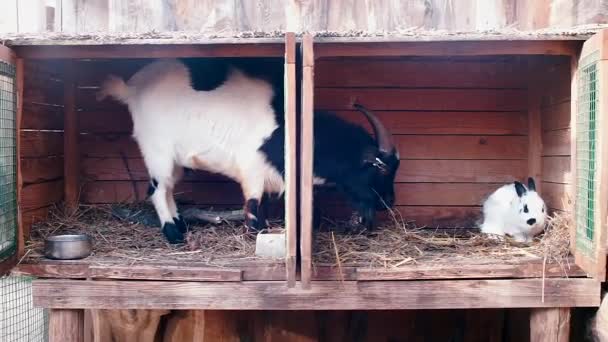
(19, 320)
(587, 120)
(8, 161)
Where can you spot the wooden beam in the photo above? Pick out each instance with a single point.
(20, 231)
(66, 325)
(165, 273)
(71, 154)
(150, 51)
(448, 48)
(291, 224)
(323, 295)
(307, 158)
(550, 325)
(126, 325)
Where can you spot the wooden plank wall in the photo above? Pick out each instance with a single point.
(112, 169)
(225, 17)
(186, 326)
(555, 124)
(460, 125)
(41, 140)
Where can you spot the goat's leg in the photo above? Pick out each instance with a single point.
(263, 211)
(252, 184)
(177, 218)
(162, 183)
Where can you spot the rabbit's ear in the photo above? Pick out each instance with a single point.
(520, 189)
(531, 184)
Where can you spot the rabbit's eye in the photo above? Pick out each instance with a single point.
(525, 208)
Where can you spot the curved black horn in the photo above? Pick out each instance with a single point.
(383, 136)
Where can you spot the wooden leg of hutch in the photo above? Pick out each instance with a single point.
(550, 325)
(66, 325)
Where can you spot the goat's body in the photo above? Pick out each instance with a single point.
(200, 115)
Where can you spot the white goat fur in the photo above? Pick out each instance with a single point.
(599, 323)
(219, 130)
(503, 213)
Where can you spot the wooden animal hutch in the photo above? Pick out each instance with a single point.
(469, 112)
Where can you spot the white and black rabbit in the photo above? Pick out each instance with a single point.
(515, 210)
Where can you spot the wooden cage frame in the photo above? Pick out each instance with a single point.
(70, 288)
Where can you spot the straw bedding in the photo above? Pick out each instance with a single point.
(130, 234)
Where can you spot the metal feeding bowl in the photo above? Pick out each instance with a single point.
(67, 247)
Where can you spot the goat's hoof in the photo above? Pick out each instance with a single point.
(173, 233)
(252, 225)
(181, 224)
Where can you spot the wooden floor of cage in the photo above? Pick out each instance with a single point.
(127, 244)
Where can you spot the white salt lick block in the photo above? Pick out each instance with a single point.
(270, 245)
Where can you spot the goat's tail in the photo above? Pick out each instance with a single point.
(115, 87)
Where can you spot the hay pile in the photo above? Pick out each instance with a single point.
(136, 237)
(401, 243)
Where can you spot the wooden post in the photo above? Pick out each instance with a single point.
(291, 223)
(307, 155)
(70, 140)
(66, 325)
(535, 141)
(550, 325)
(20, 230)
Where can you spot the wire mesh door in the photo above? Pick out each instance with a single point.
(19, 320)
(591, 156)
(8, 160)
(586, 140)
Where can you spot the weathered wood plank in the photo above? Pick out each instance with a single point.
(556, 117)
(84, 15)
(439, 171)
(324, 295)
(422, 99)
(557, 170)
(37, 170)
(66, 325)
(420, 73)
(42, 117)
(164, 273)
(126, 325)
(41, 144)
(556, 143)
(550, 324)
(416, 122)
(40, 195)
(558, 196)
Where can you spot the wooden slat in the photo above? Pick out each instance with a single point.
(307, 160)
(371, 295)
(41, 117)
(556, 143)
(419, 73)
(558, 196)
(422, 99)
(441, 194)
(41, 194)
(550, 325)
(462, 147)
(164, 273)
(193, 193)
(66, 325)
(41, 89)
(447, 48)
(415, 122)
(71, 151)
(290, 155)
(535, 147)
(438, 171)
(556, 117)
(118, 145)
(151, 51)
(110, 121)
(462, 270)
(19, 81)
(557, 170)
(31, 216)
(433, 216)
(37, 170)
(41, 144)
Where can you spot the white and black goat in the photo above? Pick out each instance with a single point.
(227, 118)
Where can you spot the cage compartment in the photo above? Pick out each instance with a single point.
(111, 178)
(464, 125)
